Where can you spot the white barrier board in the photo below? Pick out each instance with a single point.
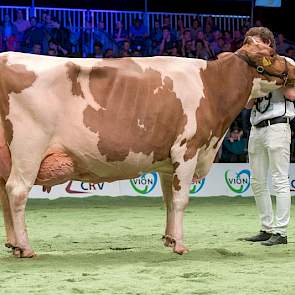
(223, 179)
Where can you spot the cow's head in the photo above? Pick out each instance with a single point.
(273, 70)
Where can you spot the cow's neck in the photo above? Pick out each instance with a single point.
(228, 86)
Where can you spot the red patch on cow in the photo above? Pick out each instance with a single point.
(139, 111)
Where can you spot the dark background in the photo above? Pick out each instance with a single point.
(277, 19)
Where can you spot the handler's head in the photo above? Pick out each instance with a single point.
(261, 34)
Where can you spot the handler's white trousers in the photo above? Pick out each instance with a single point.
(269, 147)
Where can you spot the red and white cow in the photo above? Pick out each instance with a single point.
(102, 120)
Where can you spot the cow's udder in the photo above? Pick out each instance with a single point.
(55, 168)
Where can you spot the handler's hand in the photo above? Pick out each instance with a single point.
(289, 93)
(250, 103)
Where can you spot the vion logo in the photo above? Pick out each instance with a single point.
(196, 186)
(238, 182)
(145, 183)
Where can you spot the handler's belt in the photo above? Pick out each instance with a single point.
(272, 121)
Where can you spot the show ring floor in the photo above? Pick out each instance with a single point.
(103, 245)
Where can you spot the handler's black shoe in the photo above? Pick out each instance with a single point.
(261, 236)
(275, 239)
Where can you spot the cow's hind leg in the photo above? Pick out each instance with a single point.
(26, 156)
(18, 189)
(181, 181)
(10, 234)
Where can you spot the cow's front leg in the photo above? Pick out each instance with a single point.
(10, 234)
(166, 185)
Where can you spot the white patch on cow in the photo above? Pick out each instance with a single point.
(50, 106)
(84, 82)
(262, 87)
(190, 93)
(136, 162)
(140, 124)
(290, 60)
(206, 156)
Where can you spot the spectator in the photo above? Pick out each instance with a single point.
(167, 24)
(138, 34)
(290, 52)
(126, 50)
(186, 37)
(97, 50)
(200, 36)
(281, 44)
(49, 24)
(55, 46)
(101, 35)
(258, 23)
(42, 22)
(237, 40)
(209, 32)
(36, 49)
(180, 29)
(167, 42)
(9, 35)
(226, 47)
(244, 30)
(188, 50)
(217, 43)
(120, 35)
(195, 28)
(227, 37)
(88, 39)
(61, 35)
(174, 51)
(1, 37)
(21, 26)
(51, 52)
(202, 50)
(209, 21)
(108, 53)
(156, 33)
(156, 38)
(234, 147)
(34, 35)
(74, 39)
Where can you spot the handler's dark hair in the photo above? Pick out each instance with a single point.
(264, 33)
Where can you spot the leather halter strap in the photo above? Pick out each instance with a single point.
(261, 70)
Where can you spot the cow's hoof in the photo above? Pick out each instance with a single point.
(168, 241)
(180, 249)
(26, 253)
(9, 245)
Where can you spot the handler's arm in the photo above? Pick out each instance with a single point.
(250, 103)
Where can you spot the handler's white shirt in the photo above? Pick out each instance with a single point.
(272, 106)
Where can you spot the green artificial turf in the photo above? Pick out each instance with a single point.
(104, 245)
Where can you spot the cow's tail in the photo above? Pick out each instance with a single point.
(5, 158)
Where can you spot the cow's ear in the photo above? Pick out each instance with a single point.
(266, 61)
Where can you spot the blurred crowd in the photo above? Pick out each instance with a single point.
(48, 37)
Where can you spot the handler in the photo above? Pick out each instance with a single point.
(269, 148)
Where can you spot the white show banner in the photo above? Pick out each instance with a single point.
(222, 180)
